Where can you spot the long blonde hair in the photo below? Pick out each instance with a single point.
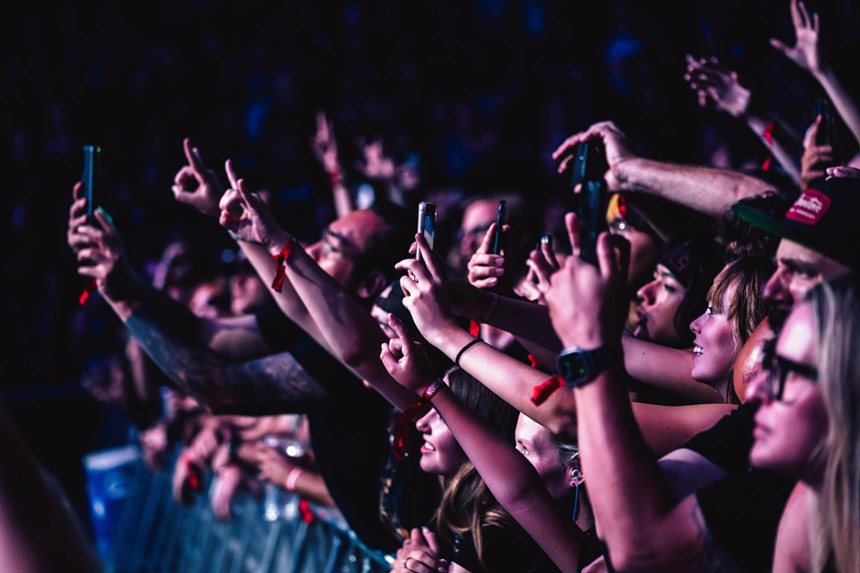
(836, 312)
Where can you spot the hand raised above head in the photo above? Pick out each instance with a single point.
(195, 184)
(586, 303)
(718, 85)
(246, 214)
(425, 292)
(486, 268)
(616, 146)
(805, 52)
(405, 359)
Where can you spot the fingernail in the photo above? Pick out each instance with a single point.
(105, 214)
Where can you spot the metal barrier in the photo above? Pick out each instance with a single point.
(157, 534)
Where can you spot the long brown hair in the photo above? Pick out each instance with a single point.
(467, 504)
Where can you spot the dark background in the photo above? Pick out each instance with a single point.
(481, 92)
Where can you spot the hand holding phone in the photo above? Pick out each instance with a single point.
(496, 246)
(825, 128)
(426, 224)
(589, 165)
(90, 176)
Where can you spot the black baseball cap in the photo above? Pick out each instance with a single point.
(824, 218)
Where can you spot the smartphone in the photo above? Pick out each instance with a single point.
(91, 174)
(496, 247)
(589, 165)
(825, 130)
(426, 224)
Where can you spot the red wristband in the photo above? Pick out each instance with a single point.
(281, 260)
(543, 390)
(398, 447)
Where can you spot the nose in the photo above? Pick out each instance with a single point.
(696, 325)
(758, 388)
(423, 423)
(645, 294)
(776, 289)
(314, 251)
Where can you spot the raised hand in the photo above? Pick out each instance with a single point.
(197, 185)
(425, 293)
(615, 143)
(586, 302)
(486, 269)
(324, 146)
(375, 165)
(805, 52)
(99, 249)
(542, 263)
(247, 214)
(816, 158)
(717, 85)
(405, 359)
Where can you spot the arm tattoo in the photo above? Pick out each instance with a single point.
(277, 380)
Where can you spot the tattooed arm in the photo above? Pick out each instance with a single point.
(275, 382)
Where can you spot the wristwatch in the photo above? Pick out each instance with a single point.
(577, 366)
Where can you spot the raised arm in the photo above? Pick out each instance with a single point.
(208, 359)
(807, 55)
(324, 146)
(426, 299)
(641, 521)
(198, 186)
(718, 86)
(337, 318)
(709, 190)
(514, 482)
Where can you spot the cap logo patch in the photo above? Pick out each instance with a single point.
(809, 208)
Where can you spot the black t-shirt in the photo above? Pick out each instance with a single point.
(742, 510)
(504, 548)
(348, 431)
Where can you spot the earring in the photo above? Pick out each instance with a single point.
(576, 476)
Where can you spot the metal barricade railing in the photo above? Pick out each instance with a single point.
(157, 534)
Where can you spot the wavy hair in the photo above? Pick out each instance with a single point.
(836, 315)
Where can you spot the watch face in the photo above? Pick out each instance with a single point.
(572, 367)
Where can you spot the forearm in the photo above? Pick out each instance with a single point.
(507, 377)
(667, 369)
(708, 190)
(841, 99)
(785, 145)
(311, 485)
(206, 375)
(633, 497)
(526, 320)
(287, 299)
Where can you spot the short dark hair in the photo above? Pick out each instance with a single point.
(389, 246)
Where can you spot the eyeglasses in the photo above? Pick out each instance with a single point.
(478, 231)
(330, 244)
(780, 368)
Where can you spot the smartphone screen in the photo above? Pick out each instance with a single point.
(90, 176)
(426, 224)
(496, 247)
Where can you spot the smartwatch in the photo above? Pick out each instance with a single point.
(578, 366)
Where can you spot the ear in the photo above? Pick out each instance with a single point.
(371, 285)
